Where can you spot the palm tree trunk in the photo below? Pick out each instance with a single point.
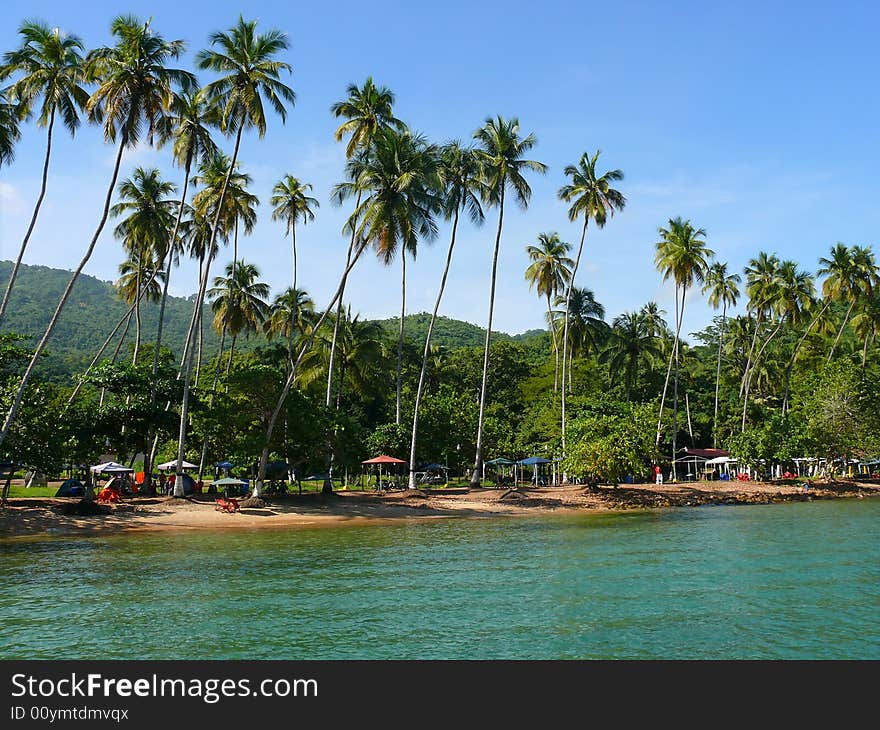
(211, 399)
(477, 474)
(116, 352)
(718, 376)
(425, 354)
(293, 239)
(675, 347)
(668, 374)
(291, 377)
(568, 289)
(752, 371)
(795, 354)
(200, 299)
(41, 345)
(27, 235)
(840, 331)
(137, 316)
(758, 320)
(201, 335)
(348, 256)
(555, 346)
(229, 361)
(400, 335)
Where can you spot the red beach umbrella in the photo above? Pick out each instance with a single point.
(379, 461)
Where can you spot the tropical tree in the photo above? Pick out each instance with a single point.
(140, 277)
(367, 110)
(549, 272)
(250, 77)
(291, 203)
(866, 323)
(462, 188)
(402, 182)
(238, 301)
(723, 292)
(52, 75)
(135, 90)
(10, 129)
(682, 255)
(291, 315)
(762, 287)
(500, 153)
(852, 273)
(587, 329)
(631, 346)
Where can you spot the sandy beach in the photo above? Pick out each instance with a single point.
(47, 516)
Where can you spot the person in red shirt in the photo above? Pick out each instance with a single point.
(658, 474)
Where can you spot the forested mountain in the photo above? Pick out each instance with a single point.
(95, 309)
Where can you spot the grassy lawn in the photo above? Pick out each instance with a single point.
(20, 491)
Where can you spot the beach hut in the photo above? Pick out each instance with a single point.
(380, 461)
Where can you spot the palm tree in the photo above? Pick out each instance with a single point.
(135, 90)
(549, 272)
(762, 287)
(239, 304)
(251, 77)
(291, 203)
(140, 278)
(587, 329)
(367, 111)
(500, 151)
(852, 274)
(144, 231)
(789, 298)
(723, 292)
(291, 315)
(682, 255)
(460, 172)
(402, 181)
(52, 71)
(631, 345)
(592, 197)
(10, 131)
(866, 324)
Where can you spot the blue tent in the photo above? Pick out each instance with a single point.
(534, 462)
(70, 488)
(223, 465)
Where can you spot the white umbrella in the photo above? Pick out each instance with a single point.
(173, 465)
(110, 467)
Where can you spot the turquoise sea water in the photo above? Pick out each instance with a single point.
(780, 581)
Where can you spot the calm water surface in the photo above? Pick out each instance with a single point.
(780, 581)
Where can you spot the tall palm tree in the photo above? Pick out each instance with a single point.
(291, 203)
(140, 277)
(251, 76)
(188, 128)
(789, 298)
(238, 301)
(587, 329)
(367, 110)
(682, 255)
(866, 323)
(401, 179)
(549, 272)
(852, 274)
(51, 73)
(723, 292)
(135, 90)
(631, 346)
(145, 230)
(500, 153)
(592, 197)
(762, 287)
(291, 315)
(462, 187)
(10, 129)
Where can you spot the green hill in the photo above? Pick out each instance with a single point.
(94, 310)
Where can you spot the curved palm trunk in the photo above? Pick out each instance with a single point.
(752, 371)
(426, 352)
(291, 377)
(668, 374)
(555, 346)
(565, 368)
(348, 262)
(675, 349)
(794, 355)
(229, 361)
(718, 376)
(400, 335)
(477, 475)
(116, 352)
(211, 399)
(840, 331)
(742, 386)
(200, 299)
(41, 345)
(137, 318)
(27, 235)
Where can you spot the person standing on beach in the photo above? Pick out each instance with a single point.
(658, 474)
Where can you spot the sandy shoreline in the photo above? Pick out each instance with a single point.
(46, 517)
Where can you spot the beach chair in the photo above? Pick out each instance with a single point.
(227, 505)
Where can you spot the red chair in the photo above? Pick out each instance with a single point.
(227, 505)
(108, 494)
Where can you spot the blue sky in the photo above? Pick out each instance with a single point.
(757, 120)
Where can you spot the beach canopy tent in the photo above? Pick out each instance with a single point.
(534, 462)
(227, 482)
(696, 459)
(380, 461)
(70, 488)
(224, 464)
(499, 463)
(110, 467)
(173, 465)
